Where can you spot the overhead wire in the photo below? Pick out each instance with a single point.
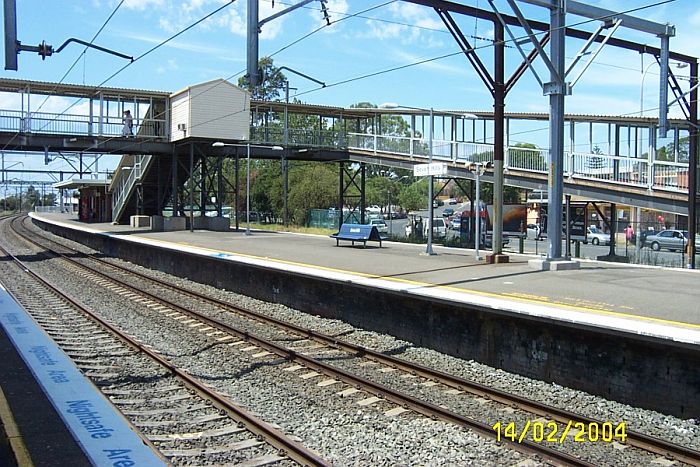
(419, 62)
(104, 24)
(358, 14)
(473, 49)
(99, 31)
(77, 101)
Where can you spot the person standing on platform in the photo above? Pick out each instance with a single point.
(629, 232)
(128, 121)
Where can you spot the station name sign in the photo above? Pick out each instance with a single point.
(436, 168)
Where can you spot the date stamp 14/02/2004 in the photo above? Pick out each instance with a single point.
(553, 432)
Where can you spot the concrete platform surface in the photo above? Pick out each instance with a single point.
(659, 302)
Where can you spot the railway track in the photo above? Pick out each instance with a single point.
(431, 377)
(175, 413)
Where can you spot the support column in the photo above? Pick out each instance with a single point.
(253, 77)
(238, 213)
(285, 190)
(220, 186)
(693, 166)
(174, 181)
(341, 190)
(203, 198)
(499, 127)
(556, 130)
(613, 228)
(362, 192)
(191, 187)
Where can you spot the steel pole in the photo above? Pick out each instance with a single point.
(247, 192)
(285, 162)
(478, 213)
(429, 247)
(693, 166)
(499, 139)
(191, 187)
(252, 39)
(556, 130)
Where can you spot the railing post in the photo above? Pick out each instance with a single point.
(572, 170)
(375, 142)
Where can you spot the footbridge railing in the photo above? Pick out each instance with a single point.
(77, 124)
(125, 180)
(630, 171)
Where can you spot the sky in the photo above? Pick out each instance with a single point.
(374, 50)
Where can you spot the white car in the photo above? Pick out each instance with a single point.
(597, 236)
(380, 225)
(439, 228)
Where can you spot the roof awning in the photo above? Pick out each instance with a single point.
(77, 183)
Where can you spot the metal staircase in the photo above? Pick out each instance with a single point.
(127, 176)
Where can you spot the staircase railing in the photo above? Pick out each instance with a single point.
(125, 181)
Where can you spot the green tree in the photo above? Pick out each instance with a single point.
(266, 188)
(414, 196)
(666, 153)
(312, 185)
(272, 81)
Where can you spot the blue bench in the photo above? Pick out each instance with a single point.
(358, 233)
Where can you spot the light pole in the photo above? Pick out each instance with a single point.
(220, 144)
(392, 105)
(478, 169)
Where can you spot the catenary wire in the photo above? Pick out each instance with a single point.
(358, 14)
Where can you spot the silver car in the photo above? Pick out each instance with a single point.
(597, 236)
(670, 239)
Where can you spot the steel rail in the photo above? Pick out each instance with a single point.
(403, 400)
(639, 440)
(272, 436)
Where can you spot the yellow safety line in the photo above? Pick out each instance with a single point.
(14, 436)
(429, 285)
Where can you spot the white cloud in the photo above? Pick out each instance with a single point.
(180, 45)
(143, 4)
(694, 19)
(235, 20)
(411, 24)
(401, 56)
(170, 65)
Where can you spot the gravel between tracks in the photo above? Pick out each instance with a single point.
(401, 440)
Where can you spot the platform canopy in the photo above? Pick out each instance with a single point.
(77, 183)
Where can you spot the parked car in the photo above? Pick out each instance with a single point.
(597, 236)
(455, 223)
(439, 228)
(399, 215)
(448, 212)
(380, 225)
(451, 201)
(643, 236)
(670, 239)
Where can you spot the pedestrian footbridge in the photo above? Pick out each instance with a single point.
(610, 158)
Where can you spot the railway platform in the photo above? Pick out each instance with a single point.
(660, 302)
(50, 413)
(605, 328)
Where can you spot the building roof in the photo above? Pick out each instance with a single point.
(73, 90)
(217, 82)
(77, 183)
